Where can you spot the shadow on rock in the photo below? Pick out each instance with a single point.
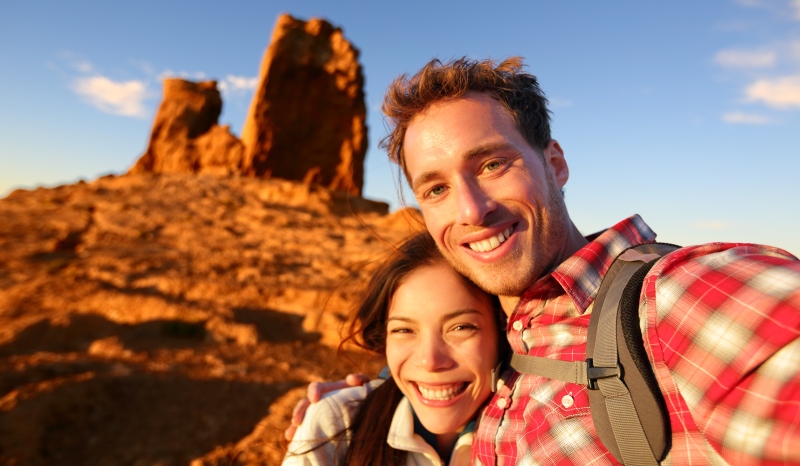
(137, 418)
(275, 326)
(79, 331)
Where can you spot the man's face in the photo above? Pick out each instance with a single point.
(491, 202)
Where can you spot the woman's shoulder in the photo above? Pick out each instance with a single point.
(334, 410)
(346, 396)
(315, 441)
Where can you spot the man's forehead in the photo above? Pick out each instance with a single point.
(456, 130)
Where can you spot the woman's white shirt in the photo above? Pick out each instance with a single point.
(335, 411)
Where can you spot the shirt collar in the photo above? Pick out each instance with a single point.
(581, 274)
(403, 433)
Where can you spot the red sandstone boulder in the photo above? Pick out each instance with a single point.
(186, 137)
(307, 118)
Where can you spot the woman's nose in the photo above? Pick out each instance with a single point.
(432, 355)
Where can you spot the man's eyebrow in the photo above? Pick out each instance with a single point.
(475, 152)
(488, 148)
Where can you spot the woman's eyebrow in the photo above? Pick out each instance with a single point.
(460, 312)
(446, 317)
(400, 318)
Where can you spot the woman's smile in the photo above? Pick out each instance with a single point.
(440, 392)
(441, 346)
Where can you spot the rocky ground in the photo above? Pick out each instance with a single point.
(175, 319)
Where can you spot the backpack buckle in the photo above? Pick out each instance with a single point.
(594, 373)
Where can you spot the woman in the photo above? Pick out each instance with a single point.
(440, 335)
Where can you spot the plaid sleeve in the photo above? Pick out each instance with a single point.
(722, 325)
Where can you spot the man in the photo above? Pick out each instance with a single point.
(720, 322)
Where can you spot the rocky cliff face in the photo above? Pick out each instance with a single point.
(174, 319)
(186, 137)
(307, 118)
(306, 121)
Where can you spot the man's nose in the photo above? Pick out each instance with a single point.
(473, 203)
(432, 355)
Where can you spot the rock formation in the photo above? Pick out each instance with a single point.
(174, 319)
(306, 121)
(186, 137)
(307, 118)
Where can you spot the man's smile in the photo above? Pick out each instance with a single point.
(493, 242)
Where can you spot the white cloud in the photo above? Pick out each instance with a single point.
(776, 6)
(77, 63)
(83, 67)
(233, 83)
(782, 92)
(193, 75)
(144, 66)
(229, 84)
(751, 3)
(118, 98)
(555, 102)
(746, 118)
(794, 51)
(732, 58)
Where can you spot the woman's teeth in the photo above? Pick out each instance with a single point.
(441, 394)
(491, 243)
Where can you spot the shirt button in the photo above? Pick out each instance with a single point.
(567, 401)
(517, 325)
(502, 403)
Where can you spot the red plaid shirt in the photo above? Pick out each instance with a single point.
(721, 323)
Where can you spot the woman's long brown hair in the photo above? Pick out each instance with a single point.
(370, 427)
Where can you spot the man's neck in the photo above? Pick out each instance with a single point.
(508, 303)
(576, 242)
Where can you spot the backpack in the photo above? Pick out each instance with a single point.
(627, 407)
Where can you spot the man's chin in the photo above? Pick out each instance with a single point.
(498, 281)
(500, 288)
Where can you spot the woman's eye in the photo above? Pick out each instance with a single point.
(465, 327)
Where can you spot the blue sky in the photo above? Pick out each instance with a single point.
(685, 112)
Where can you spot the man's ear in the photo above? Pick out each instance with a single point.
(554, 156)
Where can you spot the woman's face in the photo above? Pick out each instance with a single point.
(441, 345)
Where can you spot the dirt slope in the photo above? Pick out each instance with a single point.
(174, 319)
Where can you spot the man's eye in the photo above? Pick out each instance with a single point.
(437, 191)
(492, 166)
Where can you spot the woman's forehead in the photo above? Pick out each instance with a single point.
(434, 292)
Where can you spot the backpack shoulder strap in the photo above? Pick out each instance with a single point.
(628, 411)
(627, 407)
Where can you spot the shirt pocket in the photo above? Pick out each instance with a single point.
(559, 400)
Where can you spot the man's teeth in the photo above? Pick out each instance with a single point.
(491, 243)
(441, 394)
